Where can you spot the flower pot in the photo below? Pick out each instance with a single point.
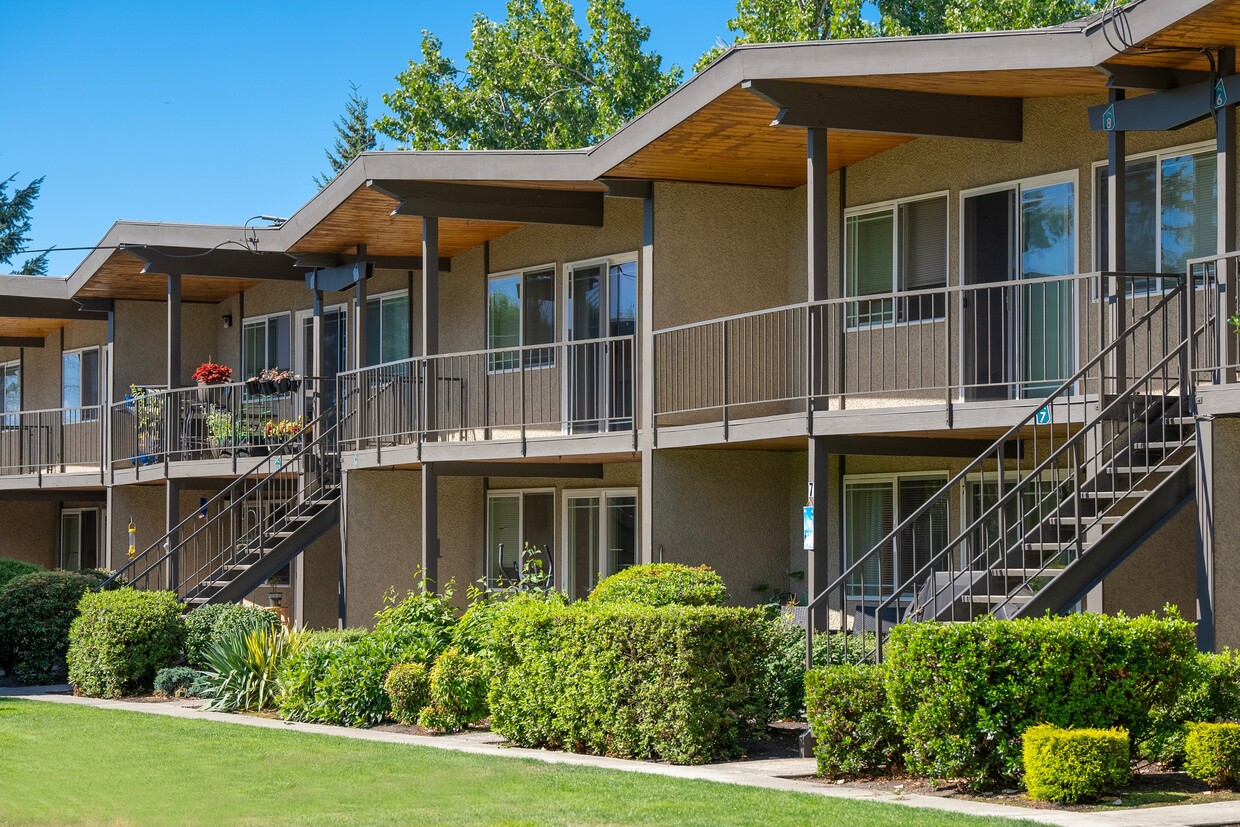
(253, 386)
(282, 385)
(202, 391)
(274, 598)
(267, 387)
(295, 385)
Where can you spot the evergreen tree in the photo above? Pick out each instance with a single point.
(354, 135)
(15, 225)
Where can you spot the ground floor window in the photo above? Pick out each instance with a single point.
(600, 531)
(520, 534)
(80, 538)
(873, 507)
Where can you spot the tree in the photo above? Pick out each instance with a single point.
(784, 21)
(941, 16)
(15, 225)
(533, 81)
(354, 135)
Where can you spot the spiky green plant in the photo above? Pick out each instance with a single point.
(242, 667)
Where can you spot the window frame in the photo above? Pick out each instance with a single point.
(497, 359)
(81, 414)
(519, 493)
(599, 495)
(99, 536)
(892, 478)
(380, 298)
(892, 206)
(564, 295)
(303, 365)
(266, 318)
(11, 419)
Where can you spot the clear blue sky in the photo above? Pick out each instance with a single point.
(217, 111)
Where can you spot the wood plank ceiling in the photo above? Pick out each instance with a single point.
(121, 277)
(21, 328)
(1178, 46)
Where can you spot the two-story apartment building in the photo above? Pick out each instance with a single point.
(949, 311)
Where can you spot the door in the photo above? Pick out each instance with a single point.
(79, 539)
(600, 536)
(1047, 249)
(335, 348)
(989, 266)
(602, 299)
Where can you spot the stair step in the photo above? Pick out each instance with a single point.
(994, 599)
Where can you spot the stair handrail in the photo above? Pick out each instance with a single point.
(251, 474)
(1066, 386)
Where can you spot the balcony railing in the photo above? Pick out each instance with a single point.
(513, 394)
(54, 441)
(973, 343)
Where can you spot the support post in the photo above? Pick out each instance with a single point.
(645, 400)
(817, 566)
(317, 362)
(1225, 147)
(172, 518)
(1205, 534)
(361, 358)
(430, 318)
(817, 217)
(1116, 247)
(430, 525)
(174, 331)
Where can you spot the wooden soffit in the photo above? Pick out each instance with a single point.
(121, 277)
(1179, 45)
(20, 328)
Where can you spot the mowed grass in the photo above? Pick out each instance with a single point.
(64, 765)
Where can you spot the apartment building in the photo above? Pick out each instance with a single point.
(902, 329)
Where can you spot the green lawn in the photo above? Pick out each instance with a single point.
(64, 764)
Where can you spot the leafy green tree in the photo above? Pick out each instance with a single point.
(354, 135)
(15, 225)
(532, 81)
(785, 21)
(940, 16)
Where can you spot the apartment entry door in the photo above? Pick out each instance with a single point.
(335, 348)
(600, 528)
(1018, 338)
(602, 303)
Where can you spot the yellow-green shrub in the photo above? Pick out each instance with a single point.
(408, 687)
(1070, 765)
(458, 692)
(1212, 753)
(663, 584)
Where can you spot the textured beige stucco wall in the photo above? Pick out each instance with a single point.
(1226, 445)
(141, 347)
(29, 531)
(1163, 570)
(320, 572)
(384, 522)
(145, 504)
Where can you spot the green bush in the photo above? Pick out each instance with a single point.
(176, 681)
(458, 692)
(1212, 753)
(300, 673)
(1211, 694)
(681, 683)
(121, 638)
(100, 576)
(847, 710)
(243, 668)
(36, 611)
(785, 664)
(961, 693)
(1071, 765)
(663, 584)
(10, 568)
(408, 686)
(217, 621)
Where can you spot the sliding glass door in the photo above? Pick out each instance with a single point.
(602, 298)
(600, 529)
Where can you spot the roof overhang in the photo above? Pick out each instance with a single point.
(34, 307)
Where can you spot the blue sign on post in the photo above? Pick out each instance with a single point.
(809, 527)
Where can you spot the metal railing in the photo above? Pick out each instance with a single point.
(228, 421)
(242, 523)
(519, 393)
(52, 441)
(1007, 340)
(1041, 494)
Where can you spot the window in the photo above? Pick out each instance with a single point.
(11, 381)
(1171, 213)
(79, 388)
(521, 313)
(600, 537)
(266, 342)
(387, 328)
(873, 507)
(898, 248)
(79, 538)
(520, 531)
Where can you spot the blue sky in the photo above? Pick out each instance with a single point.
(217, 111)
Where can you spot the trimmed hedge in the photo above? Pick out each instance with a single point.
(785, 665)
(663, 584)
(961, 693)
(1212, 694)
(408, 686)
(1212, 753)
(215, 621)
(10, 568)
(36, 611)
(121, 638)
(847, 710)
(458, 692)
(681, 683)
(1071, 765)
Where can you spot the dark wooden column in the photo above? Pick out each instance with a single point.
(361, 357)
(317, 362)
(817, 572)
(174, 331)
(1225, 147)
(645, 399)
(1114, 317)
(430, 347)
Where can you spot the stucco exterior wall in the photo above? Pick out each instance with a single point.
(30, 531)
(1226, 512)
(141, 348)
(145, 504)
(1163, 570)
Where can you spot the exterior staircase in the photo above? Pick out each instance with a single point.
(252, 528)
(1050, 508)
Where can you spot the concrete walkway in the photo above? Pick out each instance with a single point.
(774, 774)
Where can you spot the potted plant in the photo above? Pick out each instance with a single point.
(148, 410)
(282, 379)
(274, 596)
(268, 380)
(278, 432)
(254, 385)
(220, 431)
(210, 373)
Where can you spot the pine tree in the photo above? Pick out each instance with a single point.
(15, 225)
(354, 135)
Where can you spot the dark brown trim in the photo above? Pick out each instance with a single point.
(21, 341)
(540, 470)
(434, 199)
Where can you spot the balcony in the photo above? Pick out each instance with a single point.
(536, 400)
(61, 447)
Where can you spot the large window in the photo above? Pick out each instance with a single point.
(1170, 216)
(898, 247)
(11, 382)
(520, 534)
(873, 507)
(79, 389)
(600, 537)
(387, 328)
(266, 342)
(521, 312)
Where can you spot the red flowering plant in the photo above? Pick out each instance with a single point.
(209, 373)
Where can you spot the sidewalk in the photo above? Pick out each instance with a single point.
(775, 774)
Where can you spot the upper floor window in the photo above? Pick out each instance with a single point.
(1170, 215)
(899, 247)
(79, 386)
(387, 328)
(11, 381)
(266, 342)
(521, 313)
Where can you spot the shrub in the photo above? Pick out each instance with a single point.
(458, 692)
(408, 686)
(1212, 753)
(1211, 694)
(682, 683)
(121, 639)
(847, 711)
(217, 621)
(961, 693)
(1071, 765)
(243, 667)
(663, 584)
(785, 665)
(176, 681)
(100, 576)
(36, 611)
(300, 673)
(10, 568)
